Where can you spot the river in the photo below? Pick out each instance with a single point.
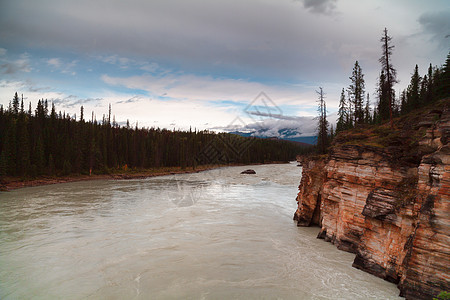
(210, 235)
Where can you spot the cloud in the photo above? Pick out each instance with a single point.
(281, 126)
(73, 101)
(325, 7)
(121, 61)
(190, 87)
(264, 39)
(30, 90)
(63, 67)
(217, 55)
(151, 67)
(132, 99)
(437, 24)
(128, 63)
(55, 62)
(22, 64)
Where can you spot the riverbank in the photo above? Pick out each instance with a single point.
(12, 183)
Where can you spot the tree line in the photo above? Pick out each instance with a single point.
(355, 108)
(44, 142)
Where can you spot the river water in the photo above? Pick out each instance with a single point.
(210, 235)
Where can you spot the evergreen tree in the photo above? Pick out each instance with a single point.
(15, 104)
(82, 114)
(22, 110)
(412, 94)
(430, 87)
(4, 164)
(36, 143)
(23, 151)
(7, 159)
(10, 148)
(322, 128)
(38, 159)
(403, 108)
(443, 81)
(389, 72)
(384, 107)
(356, 93)
(51, 166)
(367, 114)
(423, 93)
(342, 114)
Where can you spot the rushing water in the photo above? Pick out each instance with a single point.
(210, 235)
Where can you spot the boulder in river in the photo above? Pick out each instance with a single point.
(249, 171)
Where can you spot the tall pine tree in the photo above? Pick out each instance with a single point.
(389, 72)
(322, 127)
(384, 106)
(342, 114)
(356, 93)
(412, 94)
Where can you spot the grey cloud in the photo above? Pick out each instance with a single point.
(8, 68)
(320, 6)
(72, 101)
(437, 24)
(274, 116)
(62, 66)
(304, 126)
(280, 126)
(21, 64)
(34, 89)
(278, 40)
(131, 100)
(245, 37)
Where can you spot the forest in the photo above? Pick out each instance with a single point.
(355, 109)
(44, 142)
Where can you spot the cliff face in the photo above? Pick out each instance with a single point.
(389, 204)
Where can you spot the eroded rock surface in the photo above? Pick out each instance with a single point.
(388, 205)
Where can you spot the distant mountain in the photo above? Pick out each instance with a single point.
(283, 134)
(291, 128)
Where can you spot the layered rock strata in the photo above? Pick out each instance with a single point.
(389, 205)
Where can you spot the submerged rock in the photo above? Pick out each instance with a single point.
(249, 171)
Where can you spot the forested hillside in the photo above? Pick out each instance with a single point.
(355, 109)
(45, 142)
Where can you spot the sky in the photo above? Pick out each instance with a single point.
(215, 65)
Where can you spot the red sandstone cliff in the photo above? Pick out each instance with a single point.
(385, 196)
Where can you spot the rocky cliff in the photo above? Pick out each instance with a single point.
(384, 195)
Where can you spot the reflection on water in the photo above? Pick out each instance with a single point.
(215, 234)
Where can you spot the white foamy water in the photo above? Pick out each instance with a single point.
(210, 235)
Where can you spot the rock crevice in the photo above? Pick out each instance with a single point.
(390, 206)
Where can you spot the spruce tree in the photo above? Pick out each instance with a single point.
(15, 104)
(342, 114)
(322, 128)
(430, 88)
(356, 93)
(443, 83)
(412, 95)
(367, 114)
(82, 114)
(423, 93)
(38, 156)
(403, 105)
(23, 149)
(384, 107)
(389, 72)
